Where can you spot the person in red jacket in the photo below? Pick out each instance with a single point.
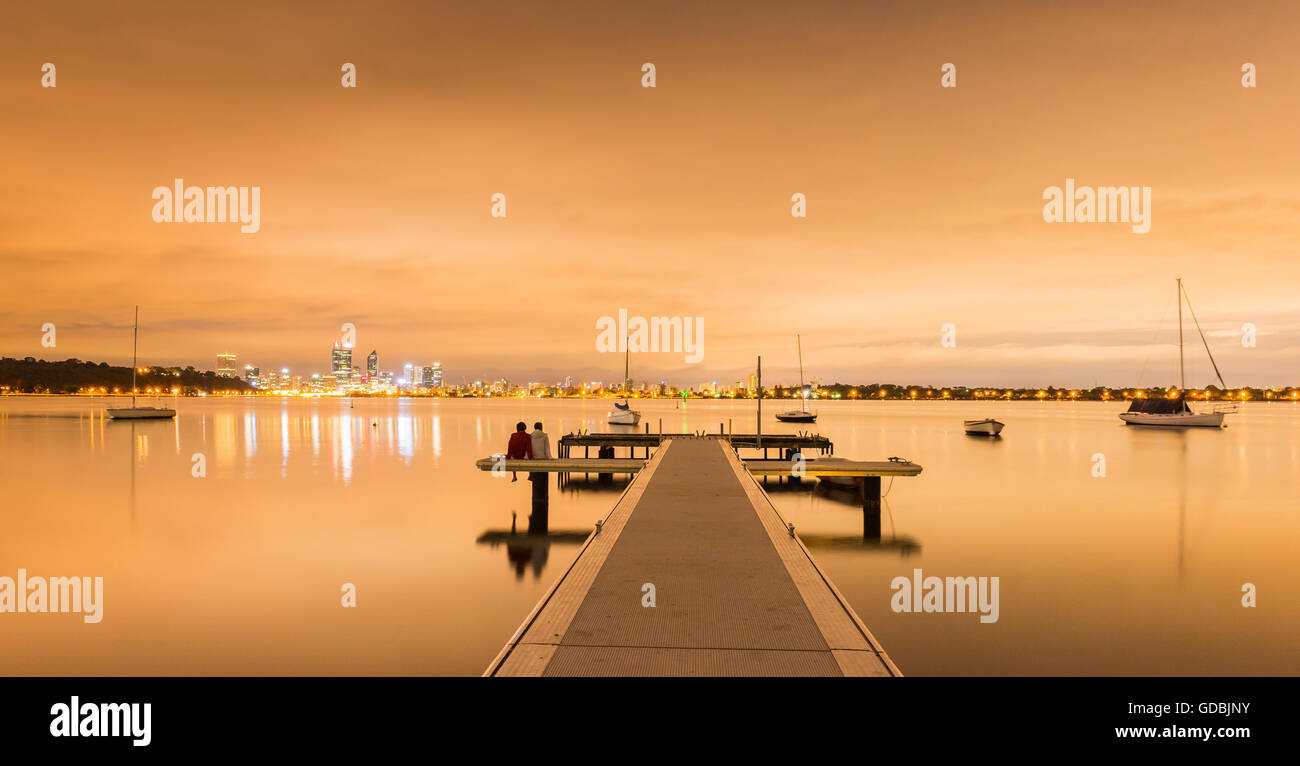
(520, 446)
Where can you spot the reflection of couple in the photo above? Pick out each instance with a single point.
(523, 445)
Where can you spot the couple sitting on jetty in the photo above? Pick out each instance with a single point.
(523, 445)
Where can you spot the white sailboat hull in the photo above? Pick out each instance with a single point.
(140, 413)
(623, 418)
(1174, 420)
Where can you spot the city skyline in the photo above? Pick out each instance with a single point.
(429, 379)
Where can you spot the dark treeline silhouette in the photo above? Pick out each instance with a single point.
(73, 376)
(1098, 393)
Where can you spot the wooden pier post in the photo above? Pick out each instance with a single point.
(539, 520)
(759, 430)
(605, 452)
(871, 507)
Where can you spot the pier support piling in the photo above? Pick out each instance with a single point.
(871, 507)
(605, 452)
(539, 520)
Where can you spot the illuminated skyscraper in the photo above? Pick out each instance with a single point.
(372, 365)
(226, 366)
(251, 374)
(433, 375)
(341, 363)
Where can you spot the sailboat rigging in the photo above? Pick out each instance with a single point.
(1174, 411)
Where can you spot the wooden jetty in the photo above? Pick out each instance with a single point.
(781, 443)
(563, 465)
(734, 590)
(870, 471)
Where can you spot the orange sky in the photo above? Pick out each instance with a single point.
(924, 203)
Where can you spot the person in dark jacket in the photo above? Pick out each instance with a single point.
(520, 446)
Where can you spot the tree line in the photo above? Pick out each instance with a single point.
(73, 376)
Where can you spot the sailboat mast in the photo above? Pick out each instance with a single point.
(799, 343)
(1182, 382)
(135, 337)
(798, 340)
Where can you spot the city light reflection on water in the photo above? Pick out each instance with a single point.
(239, 572)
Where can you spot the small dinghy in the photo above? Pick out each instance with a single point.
(985, 427)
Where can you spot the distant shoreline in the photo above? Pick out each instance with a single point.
(1288, 396)
(73, 377)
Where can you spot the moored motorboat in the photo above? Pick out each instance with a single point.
(985, 427)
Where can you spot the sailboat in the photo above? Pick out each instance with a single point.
(623, 414)
(799, 416)
(133, 412)
(1175, 412)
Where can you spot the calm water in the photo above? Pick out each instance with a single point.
(240, 572)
